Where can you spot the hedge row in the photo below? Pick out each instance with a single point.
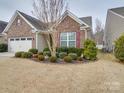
(3, 47)
(89, 52)
(66, 50)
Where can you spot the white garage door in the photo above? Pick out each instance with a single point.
(19, 44)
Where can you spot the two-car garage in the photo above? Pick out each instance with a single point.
(19, 44)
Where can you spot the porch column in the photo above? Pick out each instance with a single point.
(36, 40)
(86, 37)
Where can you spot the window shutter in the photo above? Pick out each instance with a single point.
(78, 39)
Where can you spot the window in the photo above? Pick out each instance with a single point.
(68, 39)
(23, 38)
(29, 38)
(11, 39)
(17, 39)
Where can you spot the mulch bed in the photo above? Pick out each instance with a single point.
(60, 61)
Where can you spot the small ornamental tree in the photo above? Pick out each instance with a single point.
(90, 50)
(119, 48)
(49, 13)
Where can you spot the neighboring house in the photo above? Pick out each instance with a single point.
(99, 39)
(114, 27)
(25, 32)
(2, 27)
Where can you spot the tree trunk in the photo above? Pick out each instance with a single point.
(51, 44)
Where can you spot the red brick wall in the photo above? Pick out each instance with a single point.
(70, 25)
(23, 30)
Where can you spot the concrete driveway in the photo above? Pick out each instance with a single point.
(6, 54)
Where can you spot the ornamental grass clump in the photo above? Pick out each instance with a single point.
(26, 55)
(41, 57)
(68, 59)
(33, 50)
(53, 59)
(18, 54)
(73, 56)
(62, 55)
(80, 59)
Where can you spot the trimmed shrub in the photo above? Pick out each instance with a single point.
(47, 53)
(79, 59)
(46, 49)
(73, 56)
(68, 59)
(78, 51)
(57, 54)
(62, 49)
(41, 57)
(18, 54)
(119, 48)
(72, 50)
(90, 50)
(62, 55)
(53, 59)
(33, 50)
(26, 55)
(3, 47)
(40, 53)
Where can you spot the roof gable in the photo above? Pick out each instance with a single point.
(87, 20)
(68, 13)
(34, 23)
(119, 10)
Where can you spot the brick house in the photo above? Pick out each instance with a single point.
(2, 27)
(23, 32)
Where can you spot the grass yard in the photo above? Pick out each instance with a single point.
(26, 76)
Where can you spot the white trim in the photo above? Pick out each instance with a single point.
(13, 19)
(68, 38)
(1, 35)
(19, 38)
(36, 40)
(27, 21)
(68, 13)
(116, 14)
(83, 28)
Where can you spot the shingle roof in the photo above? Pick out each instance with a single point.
(2, 26)
(35, 22)
(119, 10)
(87, 20)
(40, 25)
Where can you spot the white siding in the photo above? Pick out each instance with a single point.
(114, 29)
(41, 42)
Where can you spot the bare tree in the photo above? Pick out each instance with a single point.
(49, 12)
(99, 31)
(99, 25)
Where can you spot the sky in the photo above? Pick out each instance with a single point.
(81, 8)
